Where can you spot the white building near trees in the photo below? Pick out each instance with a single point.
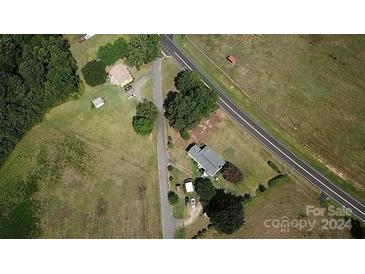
(98, 102)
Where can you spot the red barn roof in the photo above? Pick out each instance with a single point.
(232, 59)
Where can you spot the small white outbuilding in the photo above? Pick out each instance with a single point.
(98, 102)
(189, 187)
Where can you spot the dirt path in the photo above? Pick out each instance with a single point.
(194, 215)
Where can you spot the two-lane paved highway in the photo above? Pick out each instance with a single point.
(243, 119)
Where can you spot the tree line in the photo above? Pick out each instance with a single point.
(37, 72)
(140, 49)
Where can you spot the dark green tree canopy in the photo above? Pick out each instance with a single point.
(357, 230)
(185, 109)
(225, 211)
(112, 52)
(172, 197)
(143, 121)
(188, 80)
(37, 72)
(205, 189)
(143, 49)
(146, 109)
(94, 73)
(142, 125)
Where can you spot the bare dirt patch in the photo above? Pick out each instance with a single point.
(208, 126)
(193, 214)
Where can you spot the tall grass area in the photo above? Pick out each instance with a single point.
(306, 90)
(89, 174)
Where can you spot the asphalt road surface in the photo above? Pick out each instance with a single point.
(169, 223)
(242, 118)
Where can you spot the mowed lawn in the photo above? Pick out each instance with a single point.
(99, 178)
(308, 90)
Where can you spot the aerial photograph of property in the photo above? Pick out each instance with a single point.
(182, 136)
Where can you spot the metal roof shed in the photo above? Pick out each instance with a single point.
(189, 187)
(98, 102)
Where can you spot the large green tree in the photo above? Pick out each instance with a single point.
(187, 80)
(143, 121)
(112, 52)
(94, 73)
(186, 108)
(225, 211)
(143, 49)
(205, 189)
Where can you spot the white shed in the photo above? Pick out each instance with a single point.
(189, 187)
(98, 102)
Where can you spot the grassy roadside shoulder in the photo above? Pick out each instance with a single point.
(244, 102)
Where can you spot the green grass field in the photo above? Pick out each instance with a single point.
(284, 201)
(98, 178)
(307, 90)
(234, 144)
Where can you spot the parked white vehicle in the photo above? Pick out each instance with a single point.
(192, 201)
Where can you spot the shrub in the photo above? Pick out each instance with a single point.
(171, 178)
(170, 167)
(94, 73)
(261, 188)
(199, 233)
(231, 173)
(277, 179)
(185, 135)
(169, 142)
(172, 197)
(112, 52)
(210, 226)
(274, 166)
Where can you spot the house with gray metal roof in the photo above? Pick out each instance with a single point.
(206, 159)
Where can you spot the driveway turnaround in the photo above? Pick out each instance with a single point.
(245, 121)
(168, 221)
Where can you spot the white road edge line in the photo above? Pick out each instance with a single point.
(182, 60)
(205, 83)
(289, 157)
(163, 53)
